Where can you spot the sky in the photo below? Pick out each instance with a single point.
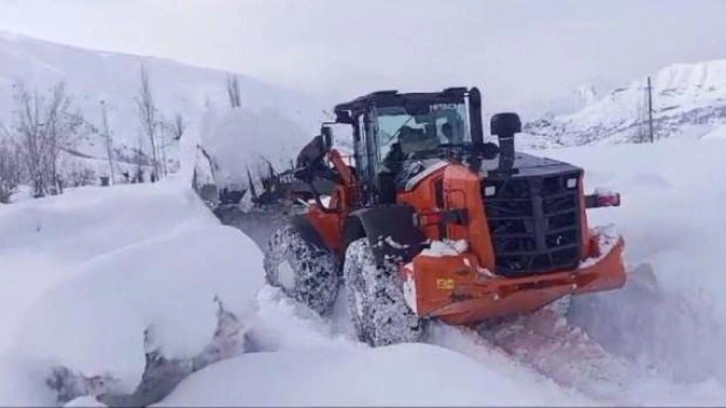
(519, 52)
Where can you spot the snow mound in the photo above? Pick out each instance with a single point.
(86, 401)
(41, 239)
(242, 140)
(87, 272)
(405, 374)
(95, 322)
(22, 382)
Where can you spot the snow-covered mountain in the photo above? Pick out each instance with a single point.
(95, 76)
(689, 101)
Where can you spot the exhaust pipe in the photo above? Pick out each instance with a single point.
(505, 126)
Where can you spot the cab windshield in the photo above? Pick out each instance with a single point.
(405, 133)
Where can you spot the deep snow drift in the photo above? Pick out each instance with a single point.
(87, 272)
(110, 263)
(244, 144)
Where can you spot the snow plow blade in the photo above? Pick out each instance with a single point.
(455, 290)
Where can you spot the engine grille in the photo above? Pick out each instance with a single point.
(534, 223)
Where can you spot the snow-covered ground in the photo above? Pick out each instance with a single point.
(88, 272)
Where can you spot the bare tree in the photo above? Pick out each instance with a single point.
(108, 141)
(170, 132)
(11, 164)
(233, 91)
(139, 161)
(148, 117)
(179, 126)
(45, 128)
(163, 142)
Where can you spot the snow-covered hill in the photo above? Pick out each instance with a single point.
(93, 76)
(689, 100)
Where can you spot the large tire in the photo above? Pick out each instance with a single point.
(375, 300)
(304, 272)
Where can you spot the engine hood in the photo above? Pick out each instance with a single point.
(527, 165)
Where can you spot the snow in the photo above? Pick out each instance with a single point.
(607, 238)
(409, 289)
(716, 133)
(41, 239)
(87, 272)
(242, 140)
(447, 247)
(688, 103)
(97, 266)
(671, 219)
(402, 375)
(86, 401)
(92, 76)
(94, 322)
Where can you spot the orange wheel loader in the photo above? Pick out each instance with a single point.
(429, 221)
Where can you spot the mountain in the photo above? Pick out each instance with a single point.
(94, 76)
(689, 101)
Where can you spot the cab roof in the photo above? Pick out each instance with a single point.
(392, 98)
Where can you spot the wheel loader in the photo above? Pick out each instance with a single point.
(428, 220)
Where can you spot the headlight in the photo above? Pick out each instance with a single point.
(571, 182)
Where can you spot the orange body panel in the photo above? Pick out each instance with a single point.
(423, 199)
(462, 190)
(329, 224)
(454, 288)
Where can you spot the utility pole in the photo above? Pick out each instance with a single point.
(650, 111)
(107, 139)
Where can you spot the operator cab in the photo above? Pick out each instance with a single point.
(390, 128)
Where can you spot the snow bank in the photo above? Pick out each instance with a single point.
(406, 374)
(242, 140)
(40, 239)
(85, 273)
(22, 382)
(94, 322)
(672, 218)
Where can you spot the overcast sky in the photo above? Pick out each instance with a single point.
(516, 51)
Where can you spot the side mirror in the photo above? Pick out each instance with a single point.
(327, 135)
